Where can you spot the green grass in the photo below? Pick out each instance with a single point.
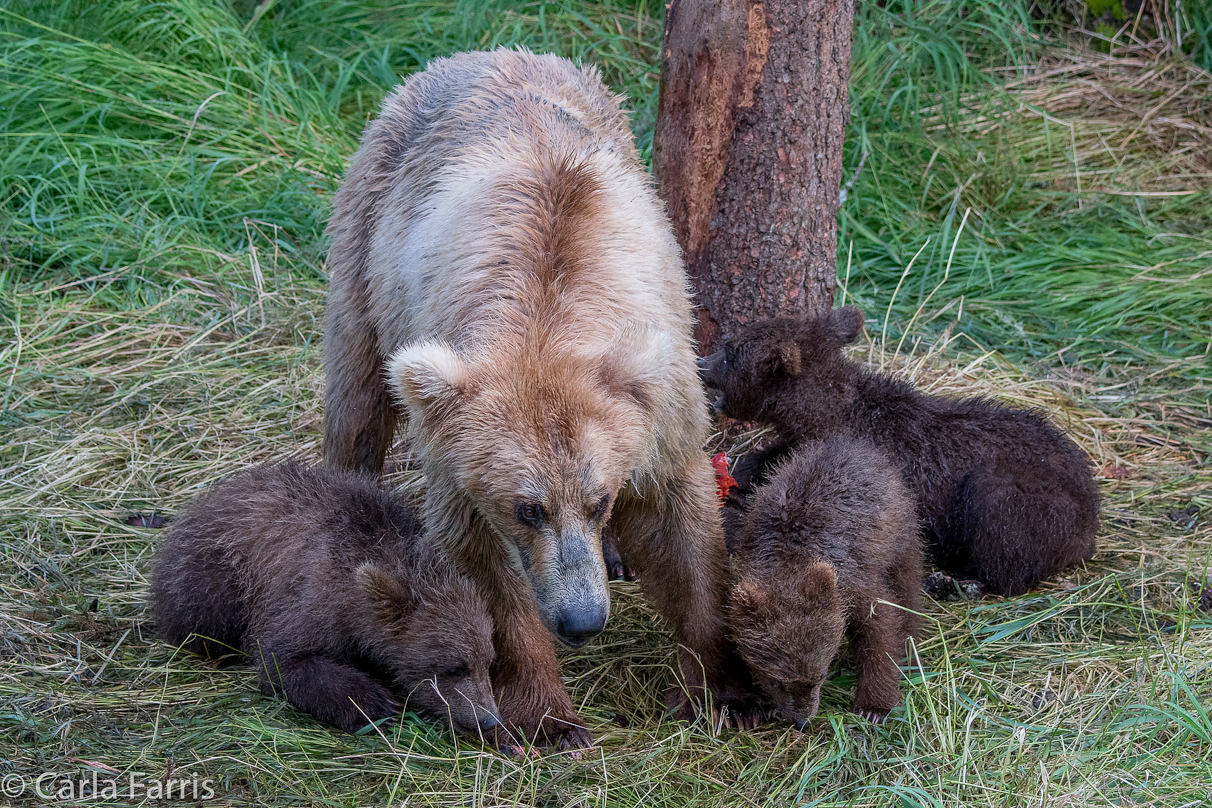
(1049, 268)
(165, 171)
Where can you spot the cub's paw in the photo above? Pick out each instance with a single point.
(616, 569)
(562, 735)
(745, 710)
(510, 742)
(874, 714)
(565, 734)
(746, 717)
(369, 705)
(731, 711)
(942, 587)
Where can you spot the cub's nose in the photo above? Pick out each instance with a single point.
(708, 365)
(489, 721)
(575, 628)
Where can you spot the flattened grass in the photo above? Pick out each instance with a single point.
(165, 174)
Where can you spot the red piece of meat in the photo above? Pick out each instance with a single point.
(723, 479)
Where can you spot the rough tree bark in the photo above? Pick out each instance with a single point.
(748, 152)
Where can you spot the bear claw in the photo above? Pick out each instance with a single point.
(875, 715)
(573, 739)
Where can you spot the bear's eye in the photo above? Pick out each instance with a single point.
(457, 672)
(529, 513)
(600, 508)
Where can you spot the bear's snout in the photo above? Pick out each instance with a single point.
(569, 581)
(709, 367)
(583, 614)
(575, 627)
(490, 721)
(803, 707)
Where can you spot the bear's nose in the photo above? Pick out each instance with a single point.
(580, 626)
(489, 721)
(708, 366)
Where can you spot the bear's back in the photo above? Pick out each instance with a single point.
(839, 500)
(496, 103)
(940, 440)
(295, 516)
(280, 540)
(501, 189)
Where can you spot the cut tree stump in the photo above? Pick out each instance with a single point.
(748, 152)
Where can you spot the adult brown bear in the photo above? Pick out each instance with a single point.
(497, 238)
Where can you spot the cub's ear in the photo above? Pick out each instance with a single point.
(749, 597)
(846, 324)
(633, 367)
(789, 361)
(819, 581)
(389, 597)
(427, 375)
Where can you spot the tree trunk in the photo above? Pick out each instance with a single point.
(748, 152)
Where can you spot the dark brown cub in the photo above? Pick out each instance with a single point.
(323, 580)
(1004, 496)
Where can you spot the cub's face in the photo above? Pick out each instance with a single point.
(788, 636)
(436, 639)
(782, 369)
(539, 447)
(451, 654)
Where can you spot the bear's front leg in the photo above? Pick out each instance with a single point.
(525, 676)
(878, 645)
(359, 416)
(672, 537)
(331, 691)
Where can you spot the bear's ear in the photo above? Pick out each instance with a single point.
(789, 361)
(819, 581)
(426, 375)
(750, 598)
(633, 367)
(846, 324)
(390, 599)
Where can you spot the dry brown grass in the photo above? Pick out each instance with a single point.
(1134, 123)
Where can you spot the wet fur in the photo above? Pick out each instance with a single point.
(1004, 496)
(320, 578)
(500, 262)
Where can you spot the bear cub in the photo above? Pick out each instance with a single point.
(322, 579)
(1004, 496)
(828, 551)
